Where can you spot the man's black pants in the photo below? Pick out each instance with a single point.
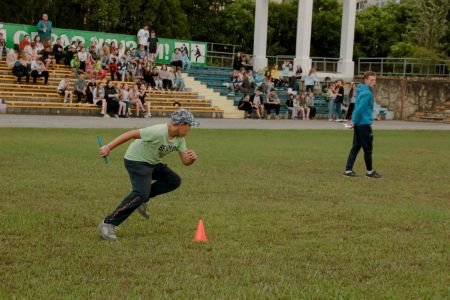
(362, 138)
(141, 176)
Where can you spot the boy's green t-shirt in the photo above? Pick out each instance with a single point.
(154, 145)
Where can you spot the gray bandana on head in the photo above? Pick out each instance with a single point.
(183, 116)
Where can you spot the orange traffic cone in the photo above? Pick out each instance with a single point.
(200, 234)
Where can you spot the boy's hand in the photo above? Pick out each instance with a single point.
(191, 155)
(104, 151)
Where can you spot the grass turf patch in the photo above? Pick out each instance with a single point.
(281, 221)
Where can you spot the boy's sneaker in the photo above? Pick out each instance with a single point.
(349, 174)
(374, 175)
(143, 211)
(107, 231)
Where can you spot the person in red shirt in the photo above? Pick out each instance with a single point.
(25, 42)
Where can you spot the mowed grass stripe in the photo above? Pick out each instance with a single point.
(281, 221)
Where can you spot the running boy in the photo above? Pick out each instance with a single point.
(143, 161)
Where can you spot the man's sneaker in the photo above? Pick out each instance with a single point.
(107, 231)
(374, 175)
(349, 174)
(143, 211)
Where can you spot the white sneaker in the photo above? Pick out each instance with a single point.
(106, 116)
(107, 231)
(116, 116)
(146, 116)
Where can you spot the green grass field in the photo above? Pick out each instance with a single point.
(281, 221)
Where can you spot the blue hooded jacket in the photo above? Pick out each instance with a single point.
(362, 115)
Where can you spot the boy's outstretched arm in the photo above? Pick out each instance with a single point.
(123, 138)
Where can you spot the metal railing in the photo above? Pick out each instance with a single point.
(404, 66)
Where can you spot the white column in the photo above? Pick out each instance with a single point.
(346, 65)
(303, 45)
(260, 35)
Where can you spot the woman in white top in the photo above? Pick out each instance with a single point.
(99, 99)
(124, 104)
(38, 43)
(134, 99)
(82, 56)
(63, 89)
(121, 49)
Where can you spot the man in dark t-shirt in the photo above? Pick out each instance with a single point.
(153, 46)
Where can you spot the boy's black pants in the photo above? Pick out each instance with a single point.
(362, 138)
(141, 176)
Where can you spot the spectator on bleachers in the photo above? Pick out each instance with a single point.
(112, 47)
(179, 81)
(58, 50)
(326, 85)
(125, 103)
(268, 84)
(99, 99)
(310, 105)
(145, 62)
(257, 100)
(48, 57)
(275, 75)
(44, 27)
(12, 56)
(105, 57)
(331, 96)
(303, 107)
(70, 52)
(237, 61)
(112, 99)
(80, 87)
(113, 68)
(20, 69)
(135, 100)
(186, 61)
(93, 53)
(272, 103)
(141, 52)
(39, 45)
(176, 58)
(75, 65)
(339, 99)
(30, 53)
(245, 105)
(121, 69)
(291, 107)
(121, 49)
(142, 94)
(135, 72)
(247, 86)
(153, 43)
(63, 89)
(90, 90)
(311, 80)
(298, 79)
(147, 76)
(164, 75)
(3, 48)
(38, 70)
(351, 97)
(246, 63)
(25, 41)
(156, 78)
(99, 73)
(286, 70)
(82, 57)
(142, 37)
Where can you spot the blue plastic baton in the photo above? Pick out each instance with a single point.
(100, 142)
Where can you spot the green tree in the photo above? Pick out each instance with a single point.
(429, 26)
(326, 28)
(378, 29)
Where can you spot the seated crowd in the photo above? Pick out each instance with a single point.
(300, 100)
(134, 69)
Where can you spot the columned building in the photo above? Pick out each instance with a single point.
(303, 43)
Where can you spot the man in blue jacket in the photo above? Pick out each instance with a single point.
(361, 122)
